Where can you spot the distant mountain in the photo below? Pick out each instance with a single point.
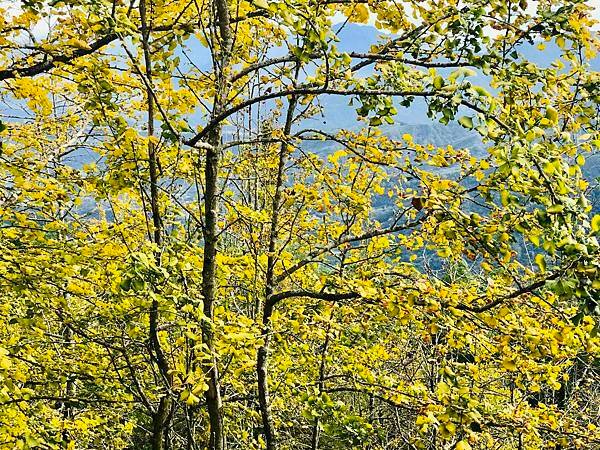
(423, 133)
(337, 114)
(413, 120)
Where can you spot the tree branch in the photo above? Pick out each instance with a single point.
(524, 290)
(45, 66)
(332, 297)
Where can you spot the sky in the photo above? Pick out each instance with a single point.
(596, 5)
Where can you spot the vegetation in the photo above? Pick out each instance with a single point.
(182, 268)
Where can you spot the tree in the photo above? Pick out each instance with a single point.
(188, 261)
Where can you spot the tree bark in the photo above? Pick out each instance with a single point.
(70, 391)
(161, 417)
(262, 357)
(316, 431)
(213, 394)
(211, 174)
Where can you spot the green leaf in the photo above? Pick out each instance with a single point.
(541, 262)
(481, 91)
(138, 284)
(125, 284)
(576, 319)
(466, 122)
(469, 72)
(554, 209)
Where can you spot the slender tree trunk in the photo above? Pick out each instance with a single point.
(262, 357)
(70, 391)
(159, 423)
(314, 441)
(211, 174)
(212, 395)
(161, 418)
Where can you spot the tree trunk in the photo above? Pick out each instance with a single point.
(211, 174)
(213, 394)
(161, 417)
(70, 391)
(316, 432)
(262, 357)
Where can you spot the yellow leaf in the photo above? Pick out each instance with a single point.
(485, 266)
(334, 158)
(509, 364)
(361, 13)
(451, 427)
(192, 399)
(551, 114)
(443, 388)
(596, 223)
(200, 388)
(78, 43)
(4, 360)
(549, 168)
(463, 445)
